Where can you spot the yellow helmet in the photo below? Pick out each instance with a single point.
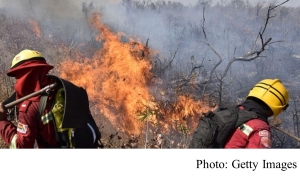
(273, 93)
(25, 55)
(27, 58)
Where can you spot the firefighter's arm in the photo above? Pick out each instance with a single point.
(260, 139)
(7, 128)
(26, 130)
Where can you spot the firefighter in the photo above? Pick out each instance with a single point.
(267, 98)
(29, 68)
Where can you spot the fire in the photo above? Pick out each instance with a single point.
(35, 28)
(184, 113)
(118, 79)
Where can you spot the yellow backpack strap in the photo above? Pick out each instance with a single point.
(45, 118)
(246, 129)
(58, 113)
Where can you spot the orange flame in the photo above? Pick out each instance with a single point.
(184, 112)
(118, 79)
(35, 28)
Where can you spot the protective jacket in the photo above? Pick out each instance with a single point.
(30, 127)
(30, 77)
(255, 133)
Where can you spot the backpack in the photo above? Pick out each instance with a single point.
(74, 125)
(215, 128)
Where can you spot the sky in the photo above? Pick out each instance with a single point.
(292, 3)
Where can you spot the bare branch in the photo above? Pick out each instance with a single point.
(296, 118)
(247, 57)
(72, 45)
(185, 81)
(255, 54)
(280, 4)
(214, 50)
(170, 63)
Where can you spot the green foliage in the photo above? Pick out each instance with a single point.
(146, 114)
(183, 129)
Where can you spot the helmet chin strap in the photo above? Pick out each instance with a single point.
(286, 106)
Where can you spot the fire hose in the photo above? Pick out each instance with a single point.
(276, 122)
(46, 89)
(287, 133)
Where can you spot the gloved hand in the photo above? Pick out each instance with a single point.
(3, 112)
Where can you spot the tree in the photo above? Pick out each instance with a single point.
(260, 45)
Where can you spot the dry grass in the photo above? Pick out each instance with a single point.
(2, 144)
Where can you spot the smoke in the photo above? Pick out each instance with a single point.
(47, 11)
(66, 19)
(173, 34)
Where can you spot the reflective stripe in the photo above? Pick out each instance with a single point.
(93, 131)
(246, 129)
(70, 136)
(47, 117)
(13, 143)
